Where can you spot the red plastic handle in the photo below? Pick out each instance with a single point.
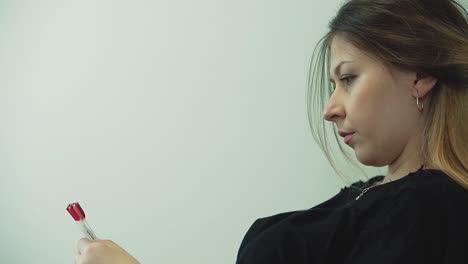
(76, 212)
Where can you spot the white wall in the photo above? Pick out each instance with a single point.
(174, 123)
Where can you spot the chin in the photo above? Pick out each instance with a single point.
(365, 162)
(367, 159)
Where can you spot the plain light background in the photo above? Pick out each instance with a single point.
(174, 123)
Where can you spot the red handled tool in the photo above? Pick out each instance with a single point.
(78, 214)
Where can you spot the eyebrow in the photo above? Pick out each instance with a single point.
(337, 68)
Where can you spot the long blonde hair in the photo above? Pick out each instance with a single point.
(425, 35)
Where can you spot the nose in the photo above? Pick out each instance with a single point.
(333, 110)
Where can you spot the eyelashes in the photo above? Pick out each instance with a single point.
(347, 81)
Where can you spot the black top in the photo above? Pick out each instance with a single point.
(420, 218)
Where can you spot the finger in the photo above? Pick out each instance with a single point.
(82, 245)
(79, 259)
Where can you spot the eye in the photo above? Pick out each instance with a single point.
(348, 79)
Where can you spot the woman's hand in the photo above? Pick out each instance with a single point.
(102, 252)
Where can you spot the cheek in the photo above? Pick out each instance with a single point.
(381, 123)
(368, 117)
(376, 106)
(365, 111)
(374, 122)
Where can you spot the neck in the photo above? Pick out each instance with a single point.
(400, 174)
(409, 160)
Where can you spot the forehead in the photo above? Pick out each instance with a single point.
(342, 49)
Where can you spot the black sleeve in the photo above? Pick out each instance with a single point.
(259, 226)
(262, 224)
(253, 230)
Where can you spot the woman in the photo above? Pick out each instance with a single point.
(399, 70)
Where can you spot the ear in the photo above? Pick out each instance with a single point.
(423, 84)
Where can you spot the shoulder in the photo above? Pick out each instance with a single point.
(436, 184)
(424, 217)
(431, 190)
(431, 202)
(440, 215)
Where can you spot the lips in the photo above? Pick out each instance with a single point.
(344, 134)
(348, 136)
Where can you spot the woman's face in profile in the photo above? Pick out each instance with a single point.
(377, 104)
